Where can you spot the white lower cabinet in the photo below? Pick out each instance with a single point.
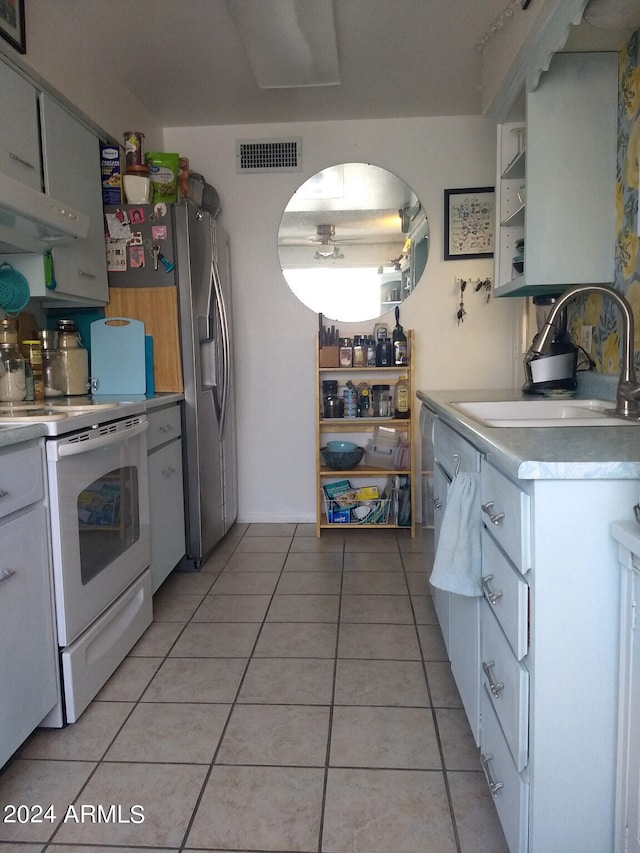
(547, 662)
(459, 615)
(166, 492)
(28, 663)
(627, 534)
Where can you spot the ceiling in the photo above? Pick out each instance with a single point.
(397, 58)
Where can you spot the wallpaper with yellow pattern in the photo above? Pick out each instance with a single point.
(594, 310)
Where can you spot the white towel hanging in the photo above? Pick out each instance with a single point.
(457, 564)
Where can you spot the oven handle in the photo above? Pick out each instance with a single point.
(102, 441)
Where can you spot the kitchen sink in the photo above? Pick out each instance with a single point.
(541, 413)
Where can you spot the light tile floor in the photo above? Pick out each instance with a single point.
(294, 695)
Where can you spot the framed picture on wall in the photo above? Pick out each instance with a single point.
(12, 24)
(469, 223)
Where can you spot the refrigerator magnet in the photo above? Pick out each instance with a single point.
(136, 257)
(158, 232)
(116, 256)
(136, 215)
(159, 210)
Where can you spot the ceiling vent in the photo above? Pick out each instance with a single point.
(269, 155)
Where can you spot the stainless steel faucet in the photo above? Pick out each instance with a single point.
(628, 393)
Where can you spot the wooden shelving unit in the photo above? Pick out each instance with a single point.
(364, 428)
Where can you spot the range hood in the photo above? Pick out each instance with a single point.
(31, 221)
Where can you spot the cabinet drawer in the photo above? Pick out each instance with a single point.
(506, 514)
(507, 594)
(507, 683)
(28, 664)
(21, 477)
(164, 425)
(510, 792)
(452, 451)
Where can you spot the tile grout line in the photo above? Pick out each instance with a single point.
(434, 717)
(233, 704)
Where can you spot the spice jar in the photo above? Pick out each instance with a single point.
(13, 380)
(74, 358)
(8, 331)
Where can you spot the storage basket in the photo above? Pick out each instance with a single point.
(379, 511)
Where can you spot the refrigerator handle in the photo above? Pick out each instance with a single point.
(208, 365)
(224, 329)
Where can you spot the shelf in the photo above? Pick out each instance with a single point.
(364, 472)
(326, 525)
(348, 423)
(516, 218)
(400, 368)
(516, 168)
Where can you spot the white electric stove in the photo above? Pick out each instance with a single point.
(98, 498)
(68, 414)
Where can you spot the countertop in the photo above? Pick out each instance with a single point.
(542, 453)
(25, 432)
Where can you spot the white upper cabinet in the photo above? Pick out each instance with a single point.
(49, 150)
(19, 137)
(565, 175)
(71, 155)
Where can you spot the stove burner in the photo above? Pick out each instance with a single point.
(75, 413)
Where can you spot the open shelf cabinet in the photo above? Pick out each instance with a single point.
(361, 430)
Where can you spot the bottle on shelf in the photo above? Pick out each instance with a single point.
(401, 398)
(384, 353)
(400, 346)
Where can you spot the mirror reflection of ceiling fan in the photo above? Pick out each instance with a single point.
(326, 236)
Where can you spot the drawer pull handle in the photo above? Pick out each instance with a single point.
(494, 597)
(166, 428)
(494, 787)
(86, 274)
(496, 687)
(437, 503)
(494, 519)
(458, 460)
(5, 574)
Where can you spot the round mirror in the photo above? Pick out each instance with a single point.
(353, 242)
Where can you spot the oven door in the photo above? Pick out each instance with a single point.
(99, 495)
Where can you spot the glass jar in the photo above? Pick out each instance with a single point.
(13, 380)
(381, 401)
(53, 373)
(8, 331)
(74, 358)
(32, 352)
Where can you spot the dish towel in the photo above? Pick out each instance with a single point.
(457, 564)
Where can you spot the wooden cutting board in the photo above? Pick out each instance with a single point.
(157, 308)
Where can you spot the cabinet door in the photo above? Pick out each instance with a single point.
(441, 598)
(19, 137)
(166, 510)
(28, 663)
(72, 172)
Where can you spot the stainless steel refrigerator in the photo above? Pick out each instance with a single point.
(195, 256)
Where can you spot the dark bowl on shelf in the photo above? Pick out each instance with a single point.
(342, 460)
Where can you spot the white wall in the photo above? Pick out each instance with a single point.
(275, 333)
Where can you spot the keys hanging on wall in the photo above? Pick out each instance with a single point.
(484, 284)
(461, 309)
(479, 284)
